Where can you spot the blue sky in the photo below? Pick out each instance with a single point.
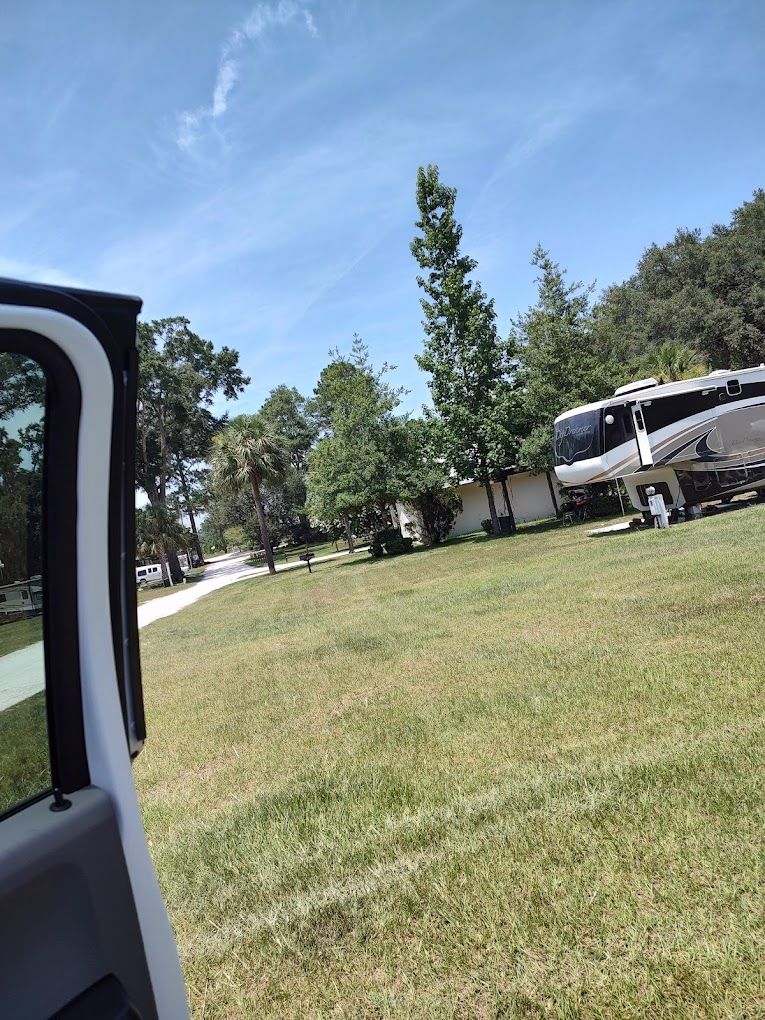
(253, 166)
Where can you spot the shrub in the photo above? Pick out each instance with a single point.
(435, 510)
(390, 541)
(486, 525)
(396, 546)
(376, 547)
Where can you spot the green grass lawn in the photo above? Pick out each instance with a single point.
(501, 778)
(19, 634)
(24, 757)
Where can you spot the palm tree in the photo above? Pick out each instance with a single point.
(672, 362)
(245, 454)
(157, 533)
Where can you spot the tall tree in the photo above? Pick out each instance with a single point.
(469, 364)
(558, 368)
(189, 494)
(180, 376)
(22, 389)
(159, 534)
(355, 469)
(704, 293)
(428, 490)
(293, 419)
(247, 453)
(213, 527)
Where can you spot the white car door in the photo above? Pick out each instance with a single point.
(84, 931)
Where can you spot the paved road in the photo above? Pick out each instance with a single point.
(21, 672)
(221, 571)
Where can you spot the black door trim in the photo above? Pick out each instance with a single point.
(111, 318)
(66, 733)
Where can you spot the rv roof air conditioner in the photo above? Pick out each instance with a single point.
(639, 384)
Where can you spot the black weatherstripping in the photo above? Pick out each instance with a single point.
(69, 766)
(112, 319)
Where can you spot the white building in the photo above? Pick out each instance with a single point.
(532, 498)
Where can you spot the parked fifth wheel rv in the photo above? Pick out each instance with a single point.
(694, 440)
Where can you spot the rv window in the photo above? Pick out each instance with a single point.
(579, 437)
(733, 387)
(622, 429)
(142, 573)
(24, 755)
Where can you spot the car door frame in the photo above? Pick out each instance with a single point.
(96, 715)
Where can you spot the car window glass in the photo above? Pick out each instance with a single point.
(24, 754)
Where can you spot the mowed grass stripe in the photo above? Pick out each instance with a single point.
(498, 778)
(448, 830)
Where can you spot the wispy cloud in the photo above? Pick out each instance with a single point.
(38, 272)
(310, 24)
(262, 18)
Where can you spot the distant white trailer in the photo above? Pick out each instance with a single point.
(21, 598)
(145, 575)
(694, 440)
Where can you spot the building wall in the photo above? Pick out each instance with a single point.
(529, 496)
(475, 507)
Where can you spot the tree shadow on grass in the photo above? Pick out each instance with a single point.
(479, 538)
(475, 538)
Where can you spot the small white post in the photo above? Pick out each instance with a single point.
(657, 507)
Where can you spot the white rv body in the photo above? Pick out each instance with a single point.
(694, 440)
(21, 598)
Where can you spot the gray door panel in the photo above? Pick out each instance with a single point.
(68, 914)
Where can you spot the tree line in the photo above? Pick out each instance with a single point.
(22, 389)
(338, 461)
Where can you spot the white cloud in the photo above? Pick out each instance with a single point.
(228, 72)
(310, 24)
(38, 272)
(264, 16)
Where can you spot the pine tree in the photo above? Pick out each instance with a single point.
(559, 369)
(470, 366)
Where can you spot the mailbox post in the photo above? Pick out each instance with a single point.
(307, 557)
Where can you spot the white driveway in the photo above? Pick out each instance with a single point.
(22, 672)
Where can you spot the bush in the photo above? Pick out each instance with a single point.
(390, 541)
(435, 511)
(396, 546)
(376, 547)
(486, 525)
